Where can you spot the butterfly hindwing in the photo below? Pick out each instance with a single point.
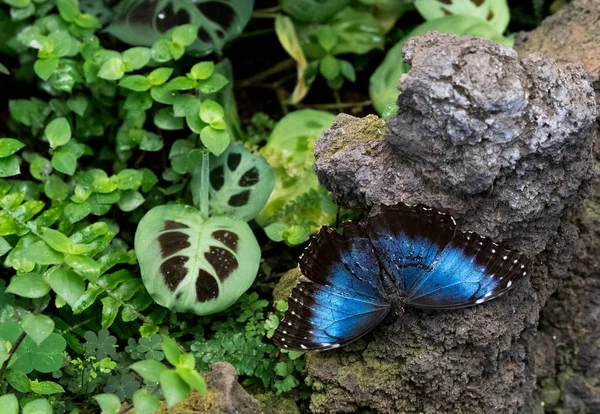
(340, 296)
(470, 270)
(408, 239)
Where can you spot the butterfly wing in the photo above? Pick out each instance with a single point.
(408, 239)
(340, 297)
(470, 270)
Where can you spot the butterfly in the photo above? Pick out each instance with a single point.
(401, 255)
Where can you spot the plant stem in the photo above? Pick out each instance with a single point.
(204, 208)
(17, 343)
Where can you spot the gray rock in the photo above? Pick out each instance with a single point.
(567, 345)
(233, 398)
(505, 145)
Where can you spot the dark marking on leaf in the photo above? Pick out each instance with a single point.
(203, 35)
(490, 15)
(174, 271)
(446, 1)
(217, 177)
(222, 261)
(172, 242)
(178, 296)
(167, 18)
(173, 225)
(249, 178)
(142, 14)
(239, 199)
(446, 12)
(219, 13)
(477, 2)
(233, 160)
(206, 287)
(228, 238)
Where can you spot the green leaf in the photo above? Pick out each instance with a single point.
(347, 70)
(55, 188)
(57, 240)
(75, 212)
(211, 111)
(144, 402)
(166, 119)
(130, 200)
(39, 406)
(173, 387)
(86, 266)
(9, 404)
(329, 67)
(129, 179)
(178, 155)
(181, 83)
(112, 69)
(202, 70)
(494, 12)
(42, 254)
(87, 21)
(38, 327)
(46, 387)
(159, 76)
(78, 104)
(18, 380)
(313, 11)
(185, 34)
(327, 38)
(5, 246)
(9, 146)
(68, 9)
(151, 142)
(67, 284)
(163, 94)
(232, 238)
(171, 350)
(215, 140)
(240, 183)
(161, 51)
(138, 101)
(40, 168)
(137, 83)
(58, 132)
(45, 68)
(64, 161)
(9, 166)
(213, 84)
(136, 58)
(288, 37)
(193, 379)
(149, 370)
(109, 403)
(28, 285)
(176, 50)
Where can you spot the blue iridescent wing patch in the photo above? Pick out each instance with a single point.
(340, 296)
(401, 255)
(470, 270)
(407, 240)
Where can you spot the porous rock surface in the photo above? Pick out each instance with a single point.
(567, 345)
(505, 145)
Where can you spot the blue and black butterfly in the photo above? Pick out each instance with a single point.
(401, 255)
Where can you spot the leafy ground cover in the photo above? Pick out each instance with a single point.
(157, 180)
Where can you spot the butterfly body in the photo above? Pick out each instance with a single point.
(400, 256)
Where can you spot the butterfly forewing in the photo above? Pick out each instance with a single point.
(470, 270)
(408, 239)
(340, 297)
